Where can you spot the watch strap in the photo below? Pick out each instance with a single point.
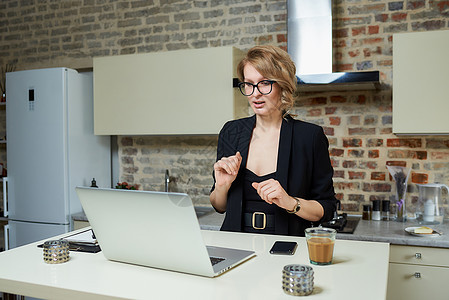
(296, 208)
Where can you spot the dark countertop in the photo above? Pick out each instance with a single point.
(372, 231)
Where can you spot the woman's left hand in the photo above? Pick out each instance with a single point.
(271, 192)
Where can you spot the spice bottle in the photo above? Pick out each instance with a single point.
(93, 183)
(386, 210)
(366, 212)
(376, 210)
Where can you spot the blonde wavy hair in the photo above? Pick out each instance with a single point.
(275, 64)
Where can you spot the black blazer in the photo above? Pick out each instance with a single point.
(303, 169)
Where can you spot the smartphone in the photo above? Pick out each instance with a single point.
(280, 247)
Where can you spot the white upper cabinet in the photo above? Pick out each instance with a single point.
(167, 93)
(421, 83)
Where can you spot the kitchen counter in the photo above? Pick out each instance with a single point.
(92, 276)
(371, 231)
(394, 233)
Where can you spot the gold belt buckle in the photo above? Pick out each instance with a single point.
(254, 220)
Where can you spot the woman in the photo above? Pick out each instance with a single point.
(273, 173)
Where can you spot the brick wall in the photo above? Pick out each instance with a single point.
(35, 34)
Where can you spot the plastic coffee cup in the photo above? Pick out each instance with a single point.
(320, 243)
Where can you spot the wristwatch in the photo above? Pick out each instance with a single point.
(296, 208)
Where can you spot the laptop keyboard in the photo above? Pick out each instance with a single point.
(216, 260)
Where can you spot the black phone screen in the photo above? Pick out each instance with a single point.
(280, 247)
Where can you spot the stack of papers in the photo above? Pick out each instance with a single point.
(85, 237)
(84, 241)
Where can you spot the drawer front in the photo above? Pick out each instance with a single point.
(419, 255)
(417, 282)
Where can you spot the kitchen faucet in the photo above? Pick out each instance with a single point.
(167, 180)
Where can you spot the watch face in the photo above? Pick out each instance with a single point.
(298, 207)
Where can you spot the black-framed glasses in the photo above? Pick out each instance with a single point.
(264, 87)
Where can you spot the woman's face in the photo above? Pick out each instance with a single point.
(262, 105)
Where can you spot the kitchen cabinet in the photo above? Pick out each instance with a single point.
(167, 93)
(418, 273)
(420, 82)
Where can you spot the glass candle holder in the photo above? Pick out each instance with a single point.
(297, 280)
(56, 251)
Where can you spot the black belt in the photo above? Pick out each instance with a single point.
(258, 220)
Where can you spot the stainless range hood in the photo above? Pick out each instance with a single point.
(310, 46)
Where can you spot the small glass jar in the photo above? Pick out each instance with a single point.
(366, 215)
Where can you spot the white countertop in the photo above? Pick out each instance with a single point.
(357, 268)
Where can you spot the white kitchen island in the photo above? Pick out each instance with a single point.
(359, 271)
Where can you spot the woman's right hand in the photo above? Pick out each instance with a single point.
(226, 170)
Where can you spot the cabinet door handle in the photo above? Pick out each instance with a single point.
(417, 275)
(418, 255)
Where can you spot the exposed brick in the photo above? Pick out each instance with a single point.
(341, 33)
(373, 29)
(338, 99)
(339, 174)
(380, 176)
(419, 178)
(281, 38)
(347, 142)
(376, 187)
(398, 17)
(354, 53)
(356, 153)
(349, 164)
(407, 154)
(356, 175)
(354, 120)
(399, 5)
(439, 155)
(362, 131)
(317, 101)
(441, 5)
(350, 206)
(347, 185)
(373, 154)
(356, 197)
(396, 163)
(381, 18)
(314, 112)
(334, 163)
(334, 120)
(428, 25)
(370, 120)
(372, 165)
(410, 143)
(330, 110)
(358, 31)
(329, 131)
(415, 4)
(437, 143)
(367, 9)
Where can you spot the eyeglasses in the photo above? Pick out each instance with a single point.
(264, 87)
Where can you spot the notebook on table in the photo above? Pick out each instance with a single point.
(154, 229)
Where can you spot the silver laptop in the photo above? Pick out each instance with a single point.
(154, 229)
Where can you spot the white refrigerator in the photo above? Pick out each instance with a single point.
(51, 149)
